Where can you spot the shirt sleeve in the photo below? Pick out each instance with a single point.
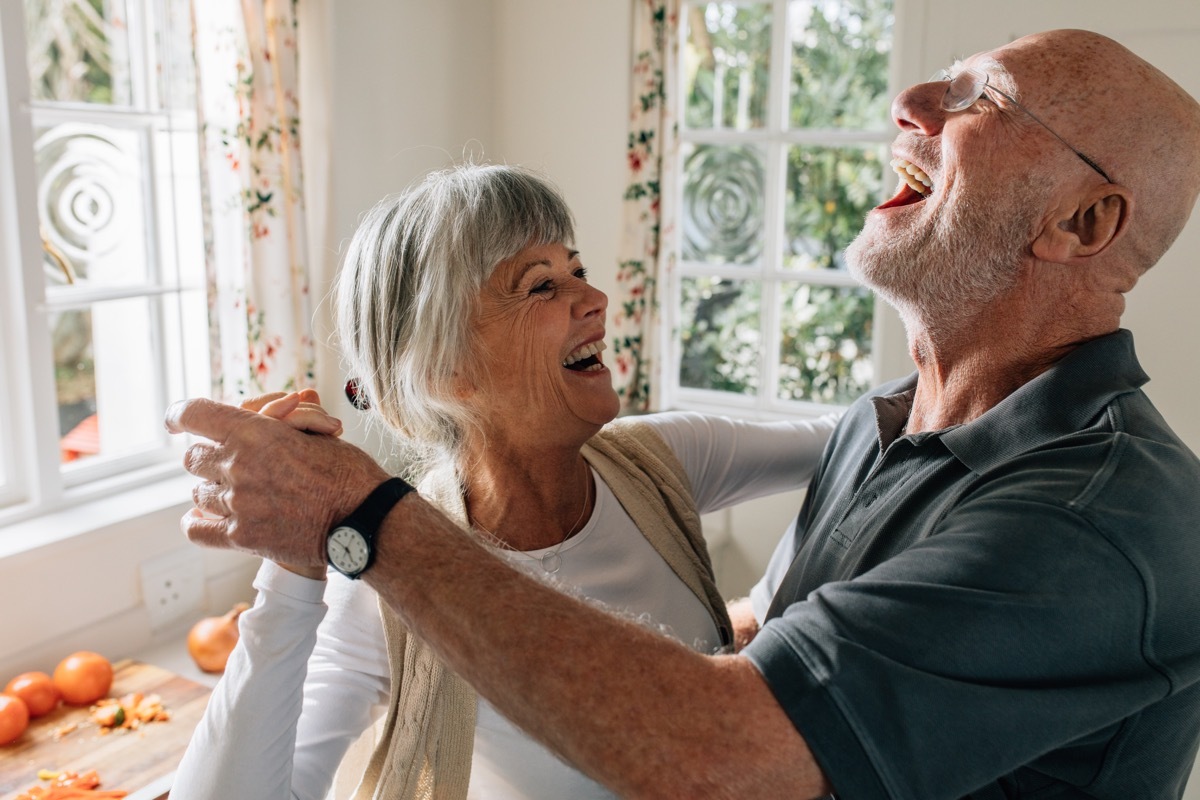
(295, 692)
(731, 461)
(348, 683)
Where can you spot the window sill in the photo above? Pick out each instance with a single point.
(152, 490)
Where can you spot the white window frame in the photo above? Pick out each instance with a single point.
(774, 139)
(33, 483)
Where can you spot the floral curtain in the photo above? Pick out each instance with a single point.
(642, 262)
(260, 316)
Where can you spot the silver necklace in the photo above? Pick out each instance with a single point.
(550, 560)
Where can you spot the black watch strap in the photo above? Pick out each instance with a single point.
(371, 512)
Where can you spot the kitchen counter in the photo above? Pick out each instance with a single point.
(140, 759)
(170, 653)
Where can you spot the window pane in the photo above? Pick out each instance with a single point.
(840, 53)
(90, 189)
(825, 353)
(176, 69)
(719, 326)
(105, 368)
(723, 199)
(75, 381)
(829, 192)
(79, 51)
(727, 65)
(177, 191)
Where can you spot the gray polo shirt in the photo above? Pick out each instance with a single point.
(1007, 608)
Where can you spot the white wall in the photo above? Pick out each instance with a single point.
(417, 86)
(562, 107)
(409, 89)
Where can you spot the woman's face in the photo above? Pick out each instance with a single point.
(539, 333)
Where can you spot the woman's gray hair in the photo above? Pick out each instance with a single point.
(407, 292)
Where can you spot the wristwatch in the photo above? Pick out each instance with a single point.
(350, 546)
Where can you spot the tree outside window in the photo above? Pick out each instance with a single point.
(783, 152)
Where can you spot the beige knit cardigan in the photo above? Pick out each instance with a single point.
(427, 738)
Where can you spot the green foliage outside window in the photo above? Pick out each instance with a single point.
(825, 352)
(77, 51)
(840, 64)
(729, 69)
(829, 192)
(721, 344)
(837, 82)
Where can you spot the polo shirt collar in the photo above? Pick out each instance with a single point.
(1060, 401)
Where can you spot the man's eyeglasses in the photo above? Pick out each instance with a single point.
(969, 85)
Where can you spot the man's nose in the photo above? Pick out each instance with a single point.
(918, 109)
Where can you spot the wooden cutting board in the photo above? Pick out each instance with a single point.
(125, 759)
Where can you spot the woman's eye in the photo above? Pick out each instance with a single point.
(543, 287)
(581, 273)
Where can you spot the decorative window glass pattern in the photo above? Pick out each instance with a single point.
(115, 194)
(783, 150)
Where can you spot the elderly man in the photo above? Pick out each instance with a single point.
(987, 593)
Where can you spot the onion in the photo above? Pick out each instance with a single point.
(212, 639)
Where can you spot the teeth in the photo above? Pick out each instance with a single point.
(913, 176)
(584, 352)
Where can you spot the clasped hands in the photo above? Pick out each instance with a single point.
(270, 486)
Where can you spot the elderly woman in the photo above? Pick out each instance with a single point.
(477, 339)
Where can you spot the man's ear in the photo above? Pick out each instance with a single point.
(1095, 223)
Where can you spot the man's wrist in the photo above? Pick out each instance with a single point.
(350, 545)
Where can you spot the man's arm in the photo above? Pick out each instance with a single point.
(639, 712)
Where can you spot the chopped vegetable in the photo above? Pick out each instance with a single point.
(129, 712)
(63, 730)
(109, 716)
(69, 786)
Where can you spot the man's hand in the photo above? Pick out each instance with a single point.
(268, 488)
(302, 410)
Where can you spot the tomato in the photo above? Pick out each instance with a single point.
(14, 718)
(37, 690)
(83, 677)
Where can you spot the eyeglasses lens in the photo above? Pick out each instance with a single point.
(964, 89)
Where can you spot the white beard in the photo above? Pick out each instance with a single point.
(940, 271)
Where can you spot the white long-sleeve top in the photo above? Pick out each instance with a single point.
(310, 672)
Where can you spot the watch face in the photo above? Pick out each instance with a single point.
(347, 550)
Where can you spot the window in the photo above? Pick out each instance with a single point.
(103, 264)
(783, 133)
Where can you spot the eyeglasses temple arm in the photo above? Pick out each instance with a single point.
(1035, 118)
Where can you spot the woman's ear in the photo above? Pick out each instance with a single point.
(1088, 229)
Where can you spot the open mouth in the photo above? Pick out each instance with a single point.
(586, 358)
(914, 187)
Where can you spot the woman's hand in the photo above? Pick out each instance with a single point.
(302, 410)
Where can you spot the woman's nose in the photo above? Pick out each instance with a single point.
(590, 301)
(918, 109)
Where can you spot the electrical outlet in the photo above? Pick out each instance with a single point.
(173, 587)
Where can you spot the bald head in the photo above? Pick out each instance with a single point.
(1140, 126)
